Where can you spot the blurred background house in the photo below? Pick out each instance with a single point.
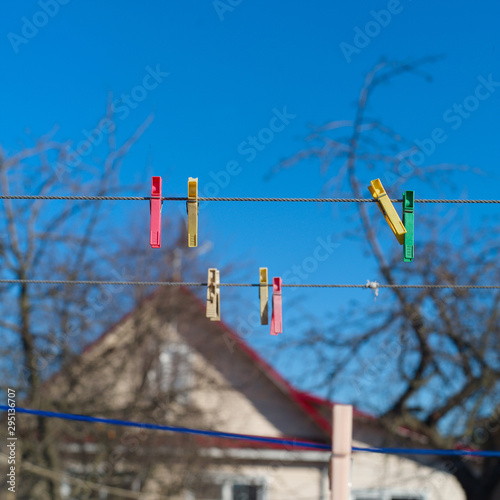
(166, 363)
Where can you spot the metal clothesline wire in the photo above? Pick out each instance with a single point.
(205, 198)
(371, 285)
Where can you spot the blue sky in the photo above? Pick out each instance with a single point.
(217, 73)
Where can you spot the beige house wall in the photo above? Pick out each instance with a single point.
(289, 478)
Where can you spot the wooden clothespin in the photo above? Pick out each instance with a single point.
(387, 208)
(340, 465)
(213, 294)
(409, 224)
(277, 315)
(264, 296)
(192, 210)
(155, 205)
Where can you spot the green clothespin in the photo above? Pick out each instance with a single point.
(408, 222)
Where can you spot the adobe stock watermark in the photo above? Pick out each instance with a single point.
(256, 143)
(455, 116)
(372, 368)
(90, 307)
(223, 6)
(482, 434)
(121, 107)
(363, 36)
(323, 250)
(31, 27)
(438, 476)
(249, 149)
(97, 303)
(130, 442)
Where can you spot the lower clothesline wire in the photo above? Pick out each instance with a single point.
(292, 443)
(372, 284)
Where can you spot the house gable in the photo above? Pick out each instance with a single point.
(235, 389)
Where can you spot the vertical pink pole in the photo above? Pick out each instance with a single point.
(341, 451)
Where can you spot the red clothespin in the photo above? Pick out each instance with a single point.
(277, 316)
(155, 208)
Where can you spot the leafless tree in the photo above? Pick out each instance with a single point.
(426, 359)
(45, 327)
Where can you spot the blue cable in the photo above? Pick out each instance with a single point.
(246, 437)
(411, 451)
(182, 430)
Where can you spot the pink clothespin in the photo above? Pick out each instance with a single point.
(155, 208)
(277, 316)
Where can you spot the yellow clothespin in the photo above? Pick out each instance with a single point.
(213, 295)
(264, 296)
(387, 208)
(192, 210)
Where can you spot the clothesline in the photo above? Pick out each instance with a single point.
(370, 285)
(211, 198)
(289, 443)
